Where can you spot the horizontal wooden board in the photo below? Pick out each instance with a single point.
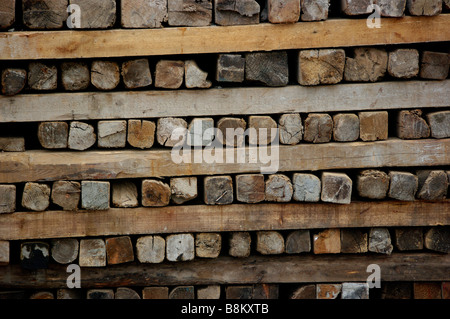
(235, 217)
(43, 165)
(251, 270)
(227, 101)
(29, 45)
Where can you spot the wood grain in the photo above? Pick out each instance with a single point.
(221, 218)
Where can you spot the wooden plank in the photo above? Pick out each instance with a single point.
(29, 45)
(251, 270)
(221, 218)
(40, 165)
(230, 101)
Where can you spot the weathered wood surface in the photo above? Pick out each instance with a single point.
(250, 100)
(39, 165)
(251, 270)
(186, 40)
(221, 218)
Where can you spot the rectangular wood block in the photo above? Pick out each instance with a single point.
(195, 77)
(372, 184)
(250, 188)
(353, 8)
(279, 188)
(434, 65)
(403, 63)
(4, 252)
(298, 241)
(239, 292)
(283, 11)
(396, 290)
(353, 241)
(218, 190)
(53, 135)
(96, 14)
(427, 290)
(36, 196)
(7, 198)
(12, 144)
(13, 80)
(124, 194)
(81, 136)
(42, 76)
(75, 76)
(261, 130)
(112, 134)
(151, 249)
(439, 124)
(324, 66)
(336, 188)
(136, 74)
(208, 245)
(411, 125)
(355, 290)
(327, 242)
(265, 291)
(95, 195)
(141, 133)
(180, 247)
(328, 291)
(209, 292)
(307, 187)
(230, 68)
(373, 126)
(200, 131)
(380, 241)
(44, 14)
(105, 75)
(267, 68)
(92, 253)
(155, 193)
(269, 243)
(314, 10)
(169, 74)
(7, 13)
(231, 131)
(155, 293)
(404, 185)
(345, 127)
(236, 12)
(143, 13)
(183, 189)
(239, 244)
(66, 194)
(119, 250)
(290, 128)
(391, 8)
(410, 238)
(190, 13)
(171, 131)
(424, 7)
(434, 187)
(366, 65)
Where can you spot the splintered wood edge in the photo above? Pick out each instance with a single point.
(214, 218)
(229, 101)
(29, 45)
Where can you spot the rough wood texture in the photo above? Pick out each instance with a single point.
(366, 65)
(42, 77)
(7, 13)
(373, 126)
(151, 249)
(403, 63)
(290, 128)
(46, 14)
(261, 127)
(190, 13)
(199, 132)
(427, 290)
(7, 198)
(250, 188)
(353, 241)
(336, 188)
(92, 253)
(112, 134)
(43, 295)
(304, 292)
(380, 241)
(13, 80)
(434, 187)
(318, 128)
(155, 293)
(230, 68)
(439, 124)
(143, 13)
(75, 76)
(119, 250)
(434, 65)
(391, 8)
(345, 127)
(37, 165)
(66, 194)
(81, 136)
(105, 75)
(438, 239)
(231, 131)
(446, 4)
(65, 251)
(4, 252)
(95, 195)
(411, 125)
(256, 269)
(96, 14)
(239, 292)
(307, 187)
(269, 243)
(327, 242)
(355, 290)
(268, 68)
(218, 190)
(141, 133)
(409, 238)
(124, 194)
(283, 11)
(424, 7)
(155, 193)
(265, 37)
(183, 189)
(278, 188)
(195, 77)
(136, 74)
(372, 184)
(328, 291)
(239, 244)
(53, 135)
(324, 66)
(352, 8)
(208, 292)
(165, 131)
(100, 294)
(314, 10)
(228, 101)
(396, 290)
(36, 196)
(12, 144)
(236, 12)
(126, 293)
(34, 255)
(298, 241)
(208, 245)
(403, 186)
(169, 74)
(180, 247)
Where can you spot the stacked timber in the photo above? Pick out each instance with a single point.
(140, 137)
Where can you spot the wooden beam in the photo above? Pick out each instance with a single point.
(229, 101)
(100, 165)
(221, 218)
(30, 45)
(229, 271)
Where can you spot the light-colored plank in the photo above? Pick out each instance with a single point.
(237, 101)
(251, 270)
(221, 218)
(181, 40)
(99, 165)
